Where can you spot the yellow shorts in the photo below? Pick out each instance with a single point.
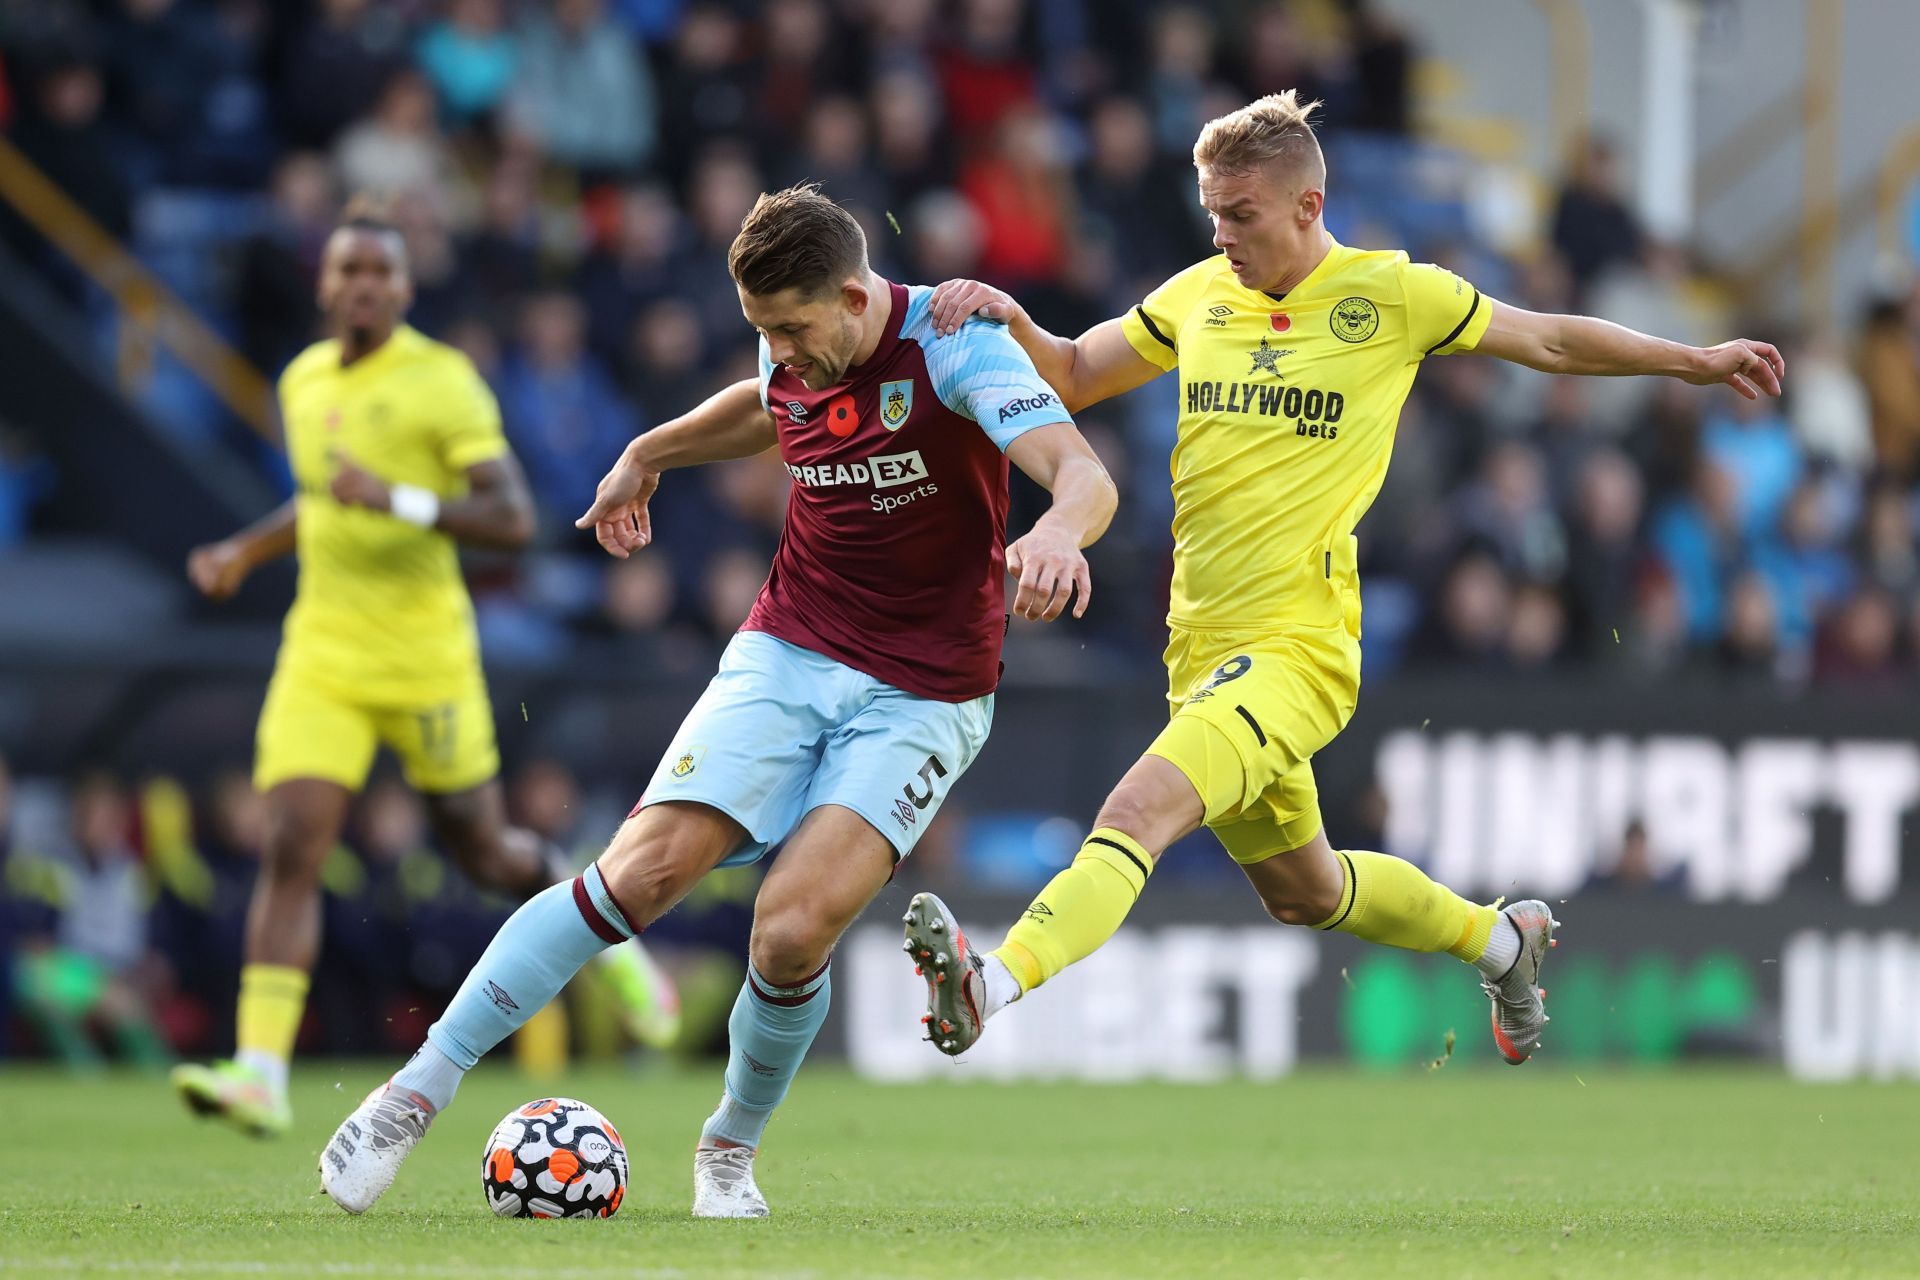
(308, 730)
(1249, 712)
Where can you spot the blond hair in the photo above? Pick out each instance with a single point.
(1269, 129)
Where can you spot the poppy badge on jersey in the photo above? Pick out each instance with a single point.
(896, 402)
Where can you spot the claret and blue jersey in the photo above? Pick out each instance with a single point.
(893, 556)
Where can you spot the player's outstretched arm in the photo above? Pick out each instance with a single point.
(1048, 560)
(1582, 344)
(1096, 366)
(731, 423)
(218, 568)
(496, 513)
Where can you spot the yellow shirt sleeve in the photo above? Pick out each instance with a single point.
(1153, 327)
(1445, 314)
(469, 418)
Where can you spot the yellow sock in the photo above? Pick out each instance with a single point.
(272, 998)
(1392, 902)
(1079, 909)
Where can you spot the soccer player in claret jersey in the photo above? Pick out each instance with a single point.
(397, 454)
(854, 697)
(1295, 354)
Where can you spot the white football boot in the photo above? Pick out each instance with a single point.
(723, 1185)
(1519, 1001)
(955, 975)
(358, 1164)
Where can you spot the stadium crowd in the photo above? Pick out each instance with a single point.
(570, 174)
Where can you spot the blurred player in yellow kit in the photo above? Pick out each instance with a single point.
(1295, 354)
(397, 455)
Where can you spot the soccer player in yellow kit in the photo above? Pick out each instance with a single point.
(397, 455)
(1295, 354)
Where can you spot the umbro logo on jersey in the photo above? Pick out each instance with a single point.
(1219, 314)
(797, 410)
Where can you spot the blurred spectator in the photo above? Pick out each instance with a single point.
(544, 797)
(665, 368)
(1604, 550)
(1828, 407)
(1890, 368)
(706, 91)
(985, 74)
(799, 60)
(1019, 189)
(1804, 565)
(1862, 644)
(1136, 201)
(1749, 650)
(1537, 633)
(723, 187)
(1697, 535)
(470, 57)
(1509, 511)
(1180, 71)
(632, 265)
(1475, 613)
(1273, 53)
(583, 91)
(640, 615)
(1890, 556)
(280, 263)
(566, 419)
(832, 150)
(1593, 228)
(1750, 441)
(906, 135)
(500, 258)
(733, 582)
(337, 64)
(62, 132)
(1382, 72)
(944, 235)
(1633, 868)
(398, 149)
(91, 975)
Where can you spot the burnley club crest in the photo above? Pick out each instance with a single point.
(896, 402)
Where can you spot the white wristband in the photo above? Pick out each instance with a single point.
(414, 505)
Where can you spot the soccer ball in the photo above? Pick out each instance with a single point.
(554, 1158)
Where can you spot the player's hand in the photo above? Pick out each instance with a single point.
(1049, 566)
(218, 569)
(955, 300)
(618, 516)
(1747, 366)
(355, 486)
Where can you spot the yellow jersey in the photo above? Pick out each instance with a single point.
(382, 613)
(1287, 412)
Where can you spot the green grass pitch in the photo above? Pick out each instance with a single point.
(1467, 1171)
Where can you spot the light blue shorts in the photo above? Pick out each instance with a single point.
(782, 730)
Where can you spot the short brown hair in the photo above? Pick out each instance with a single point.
(796, 239)
(1275, 127)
